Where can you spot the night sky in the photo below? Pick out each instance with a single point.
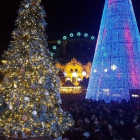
(63, 17)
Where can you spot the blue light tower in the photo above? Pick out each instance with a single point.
(116, 63)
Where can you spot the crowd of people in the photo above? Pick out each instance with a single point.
(102, 121)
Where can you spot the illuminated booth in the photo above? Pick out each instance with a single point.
(69, 88)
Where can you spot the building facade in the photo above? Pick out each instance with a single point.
(75, 71)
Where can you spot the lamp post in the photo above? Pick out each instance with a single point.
(79, 79)
(74, 74)
(68, 79)
(84, 73)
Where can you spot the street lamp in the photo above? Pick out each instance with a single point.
(74, 74)
(79, 79)
(84, 73)
(68, 79)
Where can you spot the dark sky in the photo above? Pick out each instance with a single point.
(63, 17)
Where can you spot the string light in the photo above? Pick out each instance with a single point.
(86, 35)
(71, 34)
(65, 37)
(59, 42)
(78, 34)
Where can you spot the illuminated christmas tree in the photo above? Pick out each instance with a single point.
(116, 63)
(31, 85)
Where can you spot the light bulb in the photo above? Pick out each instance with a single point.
(10, 107)
(34, 113)
(95, 70)
(26, 98)
(46, 92)
(113, 67)
(15, 86)
(105, 70)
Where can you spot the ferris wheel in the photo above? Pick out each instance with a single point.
(78, 45)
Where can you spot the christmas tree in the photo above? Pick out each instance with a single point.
(31, 85)
(116, 63)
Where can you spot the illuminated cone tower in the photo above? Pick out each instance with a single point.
(116, 63)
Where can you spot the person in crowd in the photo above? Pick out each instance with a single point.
(101, 121)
